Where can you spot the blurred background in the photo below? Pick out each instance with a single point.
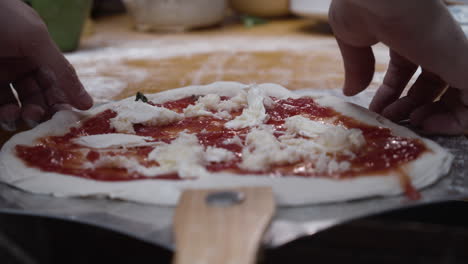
(121, 47)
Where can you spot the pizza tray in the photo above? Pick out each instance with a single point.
(154, 223)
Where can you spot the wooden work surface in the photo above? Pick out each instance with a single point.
(114, 61)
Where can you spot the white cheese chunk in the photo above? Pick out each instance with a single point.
(108, 161)
(197, 110)
(263, 150)
(268, 102)
(132, 165)
(331, 138)
(213, 154)
(211, 101)
(234, 140)
(254, 114)
(136, 112)
(184, 155)
(206, 106)
(223, 115)
(113, 140)
(235, 103)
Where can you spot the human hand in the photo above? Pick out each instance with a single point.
(44, 80)
(419, 33)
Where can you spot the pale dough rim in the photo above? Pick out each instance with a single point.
(289, 191)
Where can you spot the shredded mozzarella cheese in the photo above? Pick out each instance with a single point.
(137, 112)
(255, 112)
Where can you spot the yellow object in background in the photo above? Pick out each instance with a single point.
(88, 28)
(261, 8)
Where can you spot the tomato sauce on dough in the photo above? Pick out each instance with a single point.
(382, 153)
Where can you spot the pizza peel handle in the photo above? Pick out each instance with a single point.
(221, 226)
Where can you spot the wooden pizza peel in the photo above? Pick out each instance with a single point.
(221, 226)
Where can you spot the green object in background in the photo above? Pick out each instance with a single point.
(251, 21)
(64, 19)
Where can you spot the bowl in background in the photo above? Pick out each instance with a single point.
(175, 15)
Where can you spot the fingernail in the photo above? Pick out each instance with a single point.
(31, 123)
(8, 126)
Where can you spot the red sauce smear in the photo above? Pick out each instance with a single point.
(178, 105)
(407, 186)
(382, 153)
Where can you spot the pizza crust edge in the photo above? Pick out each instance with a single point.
(288, 191)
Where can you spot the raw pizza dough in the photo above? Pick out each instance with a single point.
(290, 190)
